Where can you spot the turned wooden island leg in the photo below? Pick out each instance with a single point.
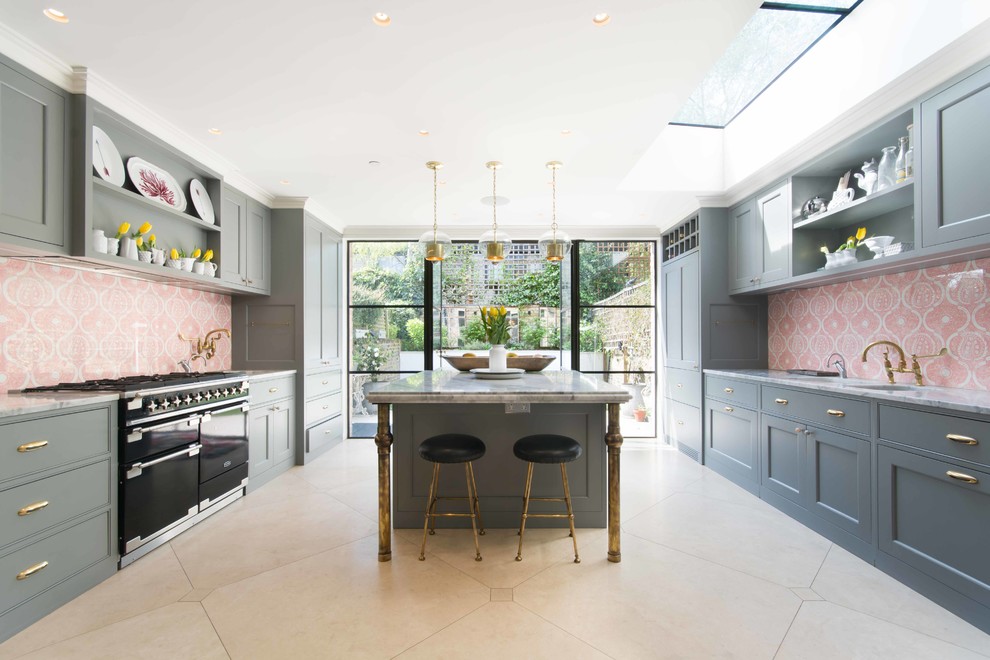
(613, 440)
(384, 441)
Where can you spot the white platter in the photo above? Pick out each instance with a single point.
(201, 201)
(488, 374)
(155, 183)
(106, 159)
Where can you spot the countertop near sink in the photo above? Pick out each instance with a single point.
(16, 403)
(967, 401)
(265, 374)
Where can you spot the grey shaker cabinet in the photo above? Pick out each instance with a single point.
(732, 446)
(681, 310)
(839, 477)
(272, 428)
(783, 451)
(760, 239)
(321, 247)
(33, 162)
(955, 141)
(245, 241)
(744, 247)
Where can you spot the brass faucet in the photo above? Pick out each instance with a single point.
(902, 367)
(206, 347)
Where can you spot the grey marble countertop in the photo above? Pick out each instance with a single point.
(948, 398)
(265, 374)
(457, 387)
(13, 404)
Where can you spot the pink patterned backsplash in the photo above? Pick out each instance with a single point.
(922, 310)
(60, 324)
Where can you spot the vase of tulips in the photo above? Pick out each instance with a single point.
(175, 257)
(496, 323)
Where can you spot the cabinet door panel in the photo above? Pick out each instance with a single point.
(671, 305)
(937, 524)
(233, 216)
(261, 446)
(745, 251)
(257, 248)
(313, 295)
(684, 428)
(682, 312)
(330, 303)
(32, 159)
(284, 431)
(955, 139)
(774, 222)
(732, 439)
(839, 471)
(782, 447)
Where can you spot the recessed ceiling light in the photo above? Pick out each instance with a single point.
(284, 182)
(215, 131)
(424, 132)
(56, 15)
(381, 18)
(601, 19)
(566, 131)
(374, 162)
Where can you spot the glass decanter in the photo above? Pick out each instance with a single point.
(886, 170)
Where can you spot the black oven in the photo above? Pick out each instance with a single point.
(223, 459)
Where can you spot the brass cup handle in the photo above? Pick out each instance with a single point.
(679, 385)
(326, 406)
(31, 508)
(782, 402)
(835, 413)
(276, 408)
(680, 422)
(326, 382)
(31, 570)
(272, 390)
(962, 439)
(32, 446)
(728, 390)
(728, 409)
(959, 476)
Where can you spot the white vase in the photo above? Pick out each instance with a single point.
(99, 241)
(198, 267)
(187, 263)
(174, 263)
(113, 244)
(210, 269)
(497, 358)
(128, 248)
(158, 256)
(145, 256)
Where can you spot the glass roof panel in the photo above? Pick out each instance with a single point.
(838, 4)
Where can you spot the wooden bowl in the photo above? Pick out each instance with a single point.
(527, 362)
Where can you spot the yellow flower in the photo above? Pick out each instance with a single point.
(145, 228)
(152, 239)
(484, 312)
(195, 254)
(208, 255)
(174, 254)
(823, 249)
(139, 241)
(501, 311)
(123, 229)
(861, 233)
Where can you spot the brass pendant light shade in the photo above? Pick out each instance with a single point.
(435, 242)
(554, 244)
(495, 242)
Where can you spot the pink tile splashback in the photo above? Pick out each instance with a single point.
(922, 310)
(60, 324)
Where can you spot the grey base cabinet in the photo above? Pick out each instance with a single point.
(272, 429)
(683, 428)
(732, 442)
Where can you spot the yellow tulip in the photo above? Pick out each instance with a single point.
(484, 312)
(861, 233)
(195, 254)
(501, 311)
(152, 239)
(145, 228)
(139, 241)
(174, 253)
(123, 229)
(208, 255)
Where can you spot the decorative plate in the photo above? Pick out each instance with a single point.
(202, 202)
(488, 374)
(155, 183)
(106, 159)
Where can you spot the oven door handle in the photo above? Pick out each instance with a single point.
(136, 469)
(243, 407)
(135, 434)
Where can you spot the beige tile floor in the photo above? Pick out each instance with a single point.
(708, 571)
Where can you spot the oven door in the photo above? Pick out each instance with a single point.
(224, 436)
(157, 493)
(144, 441)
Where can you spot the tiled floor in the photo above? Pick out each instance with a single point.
(707, 571)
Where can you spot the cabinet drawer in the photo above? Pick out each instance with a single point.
(323, 383)
(323, 407)
(325, 435)
(684, 428)
(69, 437)
(938, 524)
(272, 389)
(683, 385)
(968, 439)
(726, 389)
(824, 409)
(66, 553)
(38, 505)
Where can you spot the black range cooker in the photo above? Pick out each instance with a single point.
(183, 451)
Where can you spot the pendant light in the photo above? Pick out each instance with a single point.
(554, 244)
(495, 243)
(436, 242)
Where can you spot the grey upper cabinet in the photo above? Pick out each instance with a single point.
(257, 246)
(33, 162)
(760, 239)
(681, 309)
(955, 141)
(245, 241)
(321, 295)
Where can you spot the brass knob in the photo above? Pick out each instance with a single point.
(32, 446)
(31, 508)
(28, 572)
(962, 439)
(959, 476)
(728, 409)
(835, 413)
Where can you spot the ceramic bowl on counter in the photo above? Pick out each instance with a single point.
(527, 362)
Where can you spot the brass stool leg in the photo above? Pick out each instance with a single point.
(475, 503)
(570, 512)
(472, 496)
(522, 522)
(435, 504)
(429, 509)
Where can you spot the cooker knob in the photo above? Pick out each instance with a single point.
(198, 397)
(207, 395)
(187, 399)
(166, 404)
(176, 401)
(153, 405)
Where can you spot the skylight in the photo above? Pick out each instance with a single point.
(773, 39)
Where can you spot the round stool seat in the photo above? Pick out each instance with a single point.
(452, 448)
(547, 448)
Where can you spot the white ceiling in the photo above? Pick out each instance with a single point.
(311, 91)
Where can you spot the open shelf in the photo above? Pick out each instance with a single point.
(149, 204)
(896, 197)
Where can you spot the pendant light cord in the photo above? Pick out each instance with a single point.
(434, 205)
(494, 215)
(553, 225)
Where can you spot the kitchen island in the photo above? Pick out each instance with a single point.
(499, 412)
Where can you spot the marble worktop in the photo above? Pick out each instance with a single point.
(458, 387)
(948, 398)
(13, 404)
(267, 374)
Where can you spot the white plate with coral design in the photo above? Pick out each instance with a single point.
(488, 374)
(202, 202)
(155, 183)
(106, 159)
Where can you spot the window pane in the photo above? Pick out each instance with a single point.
(386, 339)
(386, 274)
(616, 273)
(643, 389)
(618, 339)
(767, 45)
(364, 414)
(839, 4)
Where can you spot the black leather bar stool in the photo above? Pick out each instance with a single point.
(550, 449)
(452, 448)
